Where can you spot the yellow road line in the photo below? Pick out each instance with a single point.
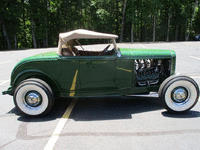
(6, 62)
(195, 77)
(195, 57)
(69, 109)
(4, 82)
(54, 137)
(73, 85)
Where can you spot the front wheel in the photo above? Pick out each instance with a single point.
(33, 97)
(179, 93)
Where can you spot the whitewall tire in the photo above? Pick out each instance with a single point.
(179, 93)
(33, 97)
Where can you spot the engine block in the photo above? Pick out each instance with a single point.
(148, 71)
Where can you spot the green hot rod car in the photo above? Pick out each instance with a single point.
(79, 72)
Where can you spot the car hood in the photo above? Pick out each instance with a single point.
(147, 53)
(42, 56)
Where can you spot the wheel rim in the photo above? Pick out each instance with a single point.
(179, 95)
(33, 99)
(32, 102)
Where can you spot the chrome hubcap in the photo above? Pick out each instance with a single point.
(179, 95)
(33, 99)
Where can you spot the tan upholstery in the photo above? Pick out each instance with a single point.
(66, 52)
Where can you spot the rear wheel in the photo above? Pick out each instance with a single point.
(34, 97)
(179, 93)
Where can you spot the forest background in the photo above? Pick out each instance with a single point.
(37, 23)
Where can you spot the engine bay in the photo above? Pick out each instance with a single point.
(151, 71)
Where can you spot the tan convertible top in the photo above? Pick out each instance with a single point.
(82, 34)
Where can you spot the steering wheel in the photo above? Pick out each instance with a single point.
(104, 51)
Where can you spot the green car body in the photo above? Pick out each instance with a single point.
(72, 72)
(83, 76)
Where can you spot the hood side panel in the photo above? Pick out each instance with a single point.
(146, 53)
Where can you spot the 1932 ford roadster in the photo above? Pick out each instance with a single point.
(79, 72)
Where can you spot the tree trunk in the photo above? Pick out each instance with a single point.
(6, 36)
(32, 25)
(47, 44)
(154, 28)
(123, 17)
(24, 24)
(33, 34)
(176, 33)
(132, 36)
(145, 31)
(168, 26)
(186, 24)
(46, 24)
(181, 32)
(135, 29)
(138, 26)
(195, 6)
(15, 37)
(117, 17)
(141, 27)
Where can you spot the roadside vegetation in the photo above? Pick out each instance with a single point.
(37, 23)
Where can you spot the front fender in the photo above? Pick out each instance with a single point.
(15, 80)
(31, 73)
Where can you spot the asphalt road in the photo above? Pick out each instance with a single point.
(111, 123)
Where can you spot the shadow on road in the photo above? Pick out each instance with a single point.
(110, 108)
(190, 114)
(57, 111)
(107, 108)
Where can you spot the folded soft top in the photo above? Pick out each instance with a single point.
(82, 34)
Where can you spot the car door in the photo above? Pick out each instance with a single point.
(68, 74)
(97, 73)
(125, 75)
